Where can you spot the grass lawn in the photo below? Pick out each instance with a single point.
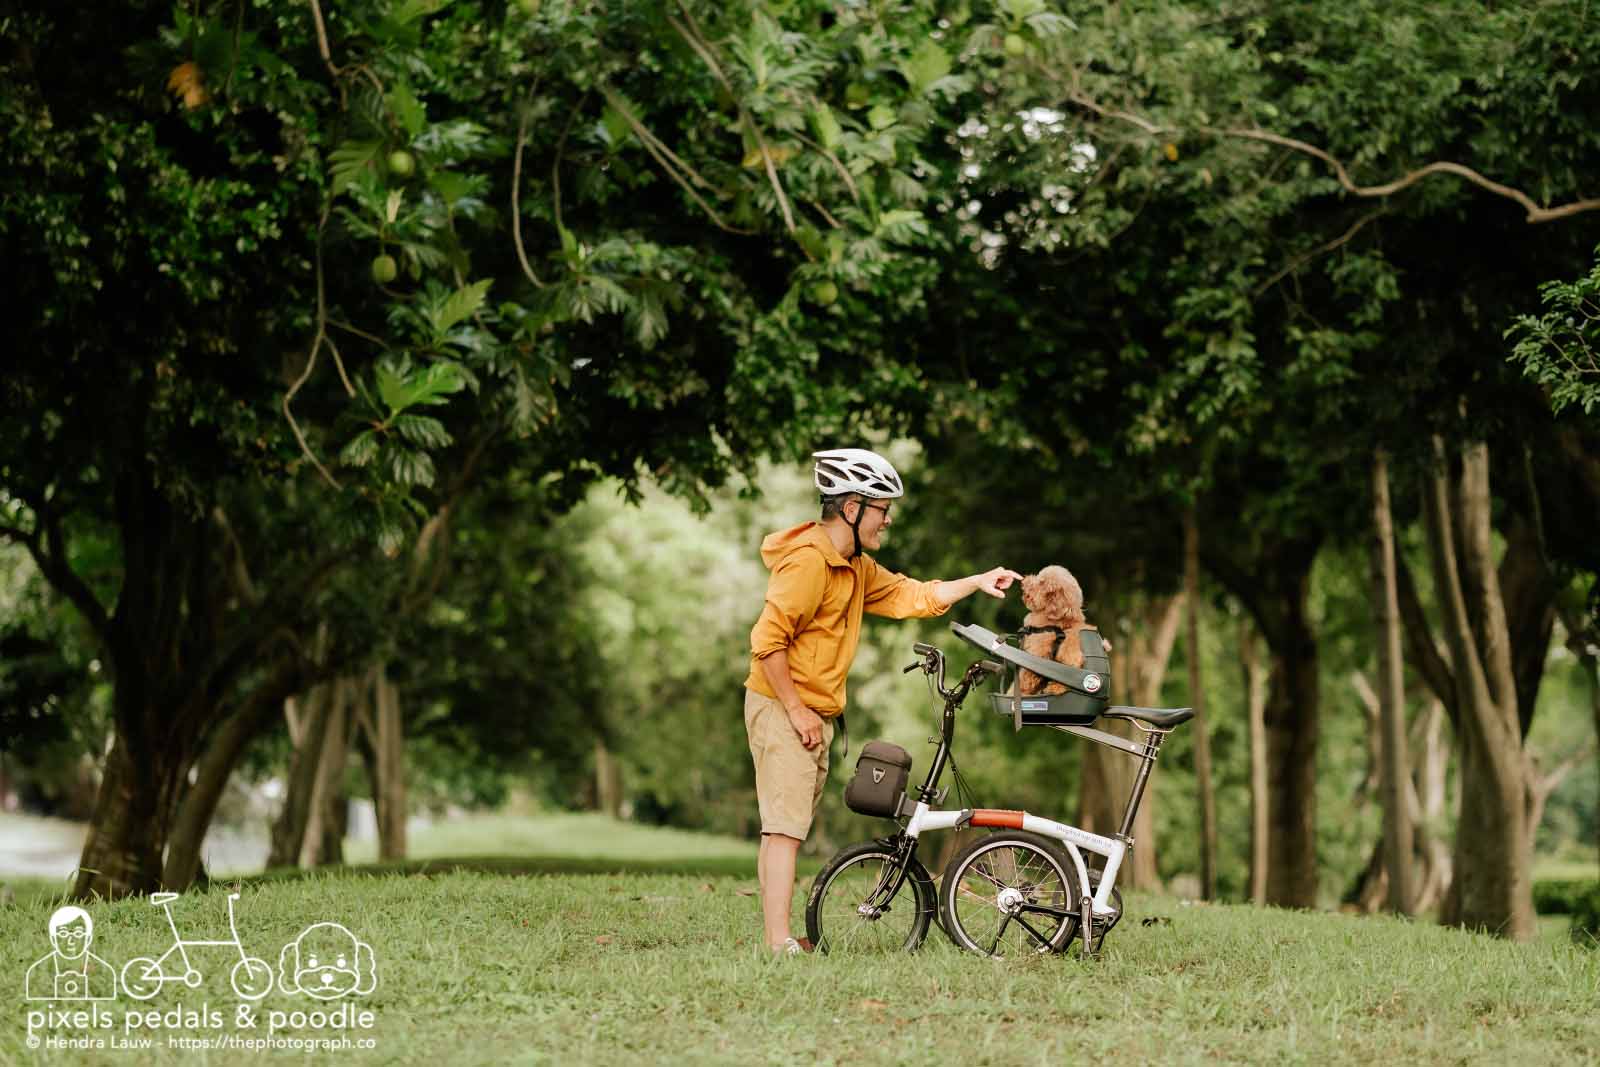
(476, 967)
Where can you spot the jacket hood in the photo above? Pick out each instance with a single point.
(808, 535)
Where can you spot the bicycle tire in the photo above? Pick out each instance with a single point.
(834, 921)
(1010, 893)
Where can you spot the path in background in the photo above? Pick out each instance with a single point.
(33, 846)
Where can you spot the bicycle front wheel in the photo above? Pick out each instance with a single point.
(1009, 894)
(855, 908)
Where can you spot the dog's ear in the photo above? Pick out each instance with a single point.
(289, 967)
(366, 969)
(1065, 596)
(1055, 603)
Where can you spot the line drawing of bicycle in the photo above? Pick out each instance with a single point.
(143, 977)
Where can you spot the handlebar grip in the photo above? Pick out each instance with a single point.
(922, 649)
(991, 666)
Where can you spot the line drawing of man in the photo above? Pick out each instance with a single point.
(70, 971)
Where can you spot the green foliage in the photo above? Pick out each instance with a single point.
(1564, 896)
(1585, 927)
(1560, 349)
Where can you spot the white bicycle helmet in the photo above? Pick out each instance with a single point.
(856, 470)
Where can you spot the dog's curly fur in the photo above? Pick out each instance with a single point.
(1053, 597)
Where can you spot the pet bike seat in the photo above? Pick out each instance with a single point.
(1088, 688)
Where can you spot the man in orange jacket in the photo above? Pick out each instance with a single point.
(802, 647)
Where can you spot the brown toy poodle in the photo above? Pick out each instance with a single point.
(1054, 600)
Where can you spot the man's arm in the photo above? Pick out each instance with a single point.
(806, 723)
(994, 582)
(898, 597)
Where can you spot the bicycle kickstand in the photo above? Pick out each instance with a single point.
(1086, 929)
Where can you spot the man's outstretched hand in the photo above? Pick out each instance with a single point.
(995, 582)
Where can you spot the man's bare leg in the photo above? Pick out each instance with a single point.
(776, 865)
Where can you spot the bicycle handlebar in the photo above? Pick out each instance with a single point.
(932, 664)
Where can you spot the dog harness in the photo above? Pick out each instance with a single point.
(1061, 635)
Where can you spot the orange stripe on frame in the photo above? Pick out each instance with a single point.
(997, 817)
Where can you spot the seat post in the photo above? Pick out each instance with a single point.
(1152, 744)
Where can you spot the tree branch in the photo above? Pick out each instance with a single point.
(516, 189)
(322, 39)
(1420, 642)
(662, 154)
(316, 346)
(1322, 250)
(1467, 668)
(555, 167)
(1535, 213)
(60, 574)
(702, 48)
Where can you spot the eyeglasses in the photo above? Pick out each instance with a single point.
(879, 507)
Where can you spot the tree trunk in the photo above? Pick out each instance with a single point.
(1427, 800)
(1138, 664)
(177, 645)
(324, 830)
(158, 715)
(1394, 765)
(1492, 888)
(1197, 699)
(308, 727)
(387, 739)
(211, 774)
(607, 780)
(1273, 580)
(1291, 721)
(1255, 709)
(128, 834)
(1424, 799)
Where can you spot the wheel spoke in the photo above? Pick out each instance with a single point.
(868, 881)
(994, 947)
(1017, 882)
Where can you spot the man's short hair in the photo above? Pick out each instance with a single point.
(70, 914)
(834, 505)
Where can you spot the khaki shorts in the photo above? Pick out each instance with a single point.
(789, 776)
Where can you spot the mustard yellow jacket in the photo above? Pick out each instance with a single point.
(815, 599)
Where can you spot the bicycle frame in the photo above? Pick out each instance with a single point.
(179, 944)
(1095, 900)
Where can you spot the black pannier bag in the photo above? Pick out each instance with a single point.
(882, 771)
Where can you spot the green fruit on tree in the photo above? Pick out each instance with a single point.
(1015, 45)
(384, 269)
(401, 163)
(824, 293)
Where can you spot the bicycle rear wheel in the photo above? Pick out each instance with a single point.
(1009, 894)
(851, 908)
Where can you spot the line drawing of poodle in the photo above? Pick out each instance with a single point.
(327, 962)
(1054, 600)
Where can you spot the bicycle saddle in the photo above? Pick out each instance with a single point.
(1161, 718)
(159, 899)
